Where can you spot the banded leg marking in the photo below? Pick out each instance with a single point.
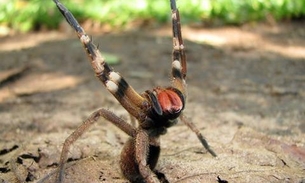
(179, 67)
(114, 83)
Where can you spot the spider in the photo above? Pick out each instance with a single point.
(155, 110)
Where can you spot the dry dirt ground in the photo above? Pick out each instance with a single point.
(246, 93)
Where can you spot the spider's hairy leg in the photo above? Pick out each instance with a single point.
(199, 135)
(179, 67)
(121, 124)
(179, 70)
(141, 151)
(114, 83)
(139, 158)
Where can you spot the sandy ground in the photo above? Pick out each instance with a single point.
(246, 93)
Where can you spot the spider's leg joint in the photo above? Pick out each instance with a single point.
(116, 84)
(114, 77)
(174, 15)
(181, 47)
(176, 69)
(119, 81)
(112, 86)
(84, 38)
(177, 65)
(177, 45)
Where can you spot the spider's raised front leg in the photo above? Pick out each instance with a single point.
(179, 71)
(133, 102)
(138, 147)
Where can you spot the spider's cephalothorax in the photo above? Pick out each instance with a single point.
(155, 110)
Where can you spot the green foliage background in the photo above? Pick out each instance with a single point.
(26, 15)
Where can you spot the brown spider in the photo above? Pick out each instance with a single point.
(155, 110)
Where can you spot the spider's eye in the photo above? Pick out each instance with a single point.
(170, 101)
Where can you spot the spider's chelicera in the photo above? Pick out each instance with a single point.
(155, 110)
